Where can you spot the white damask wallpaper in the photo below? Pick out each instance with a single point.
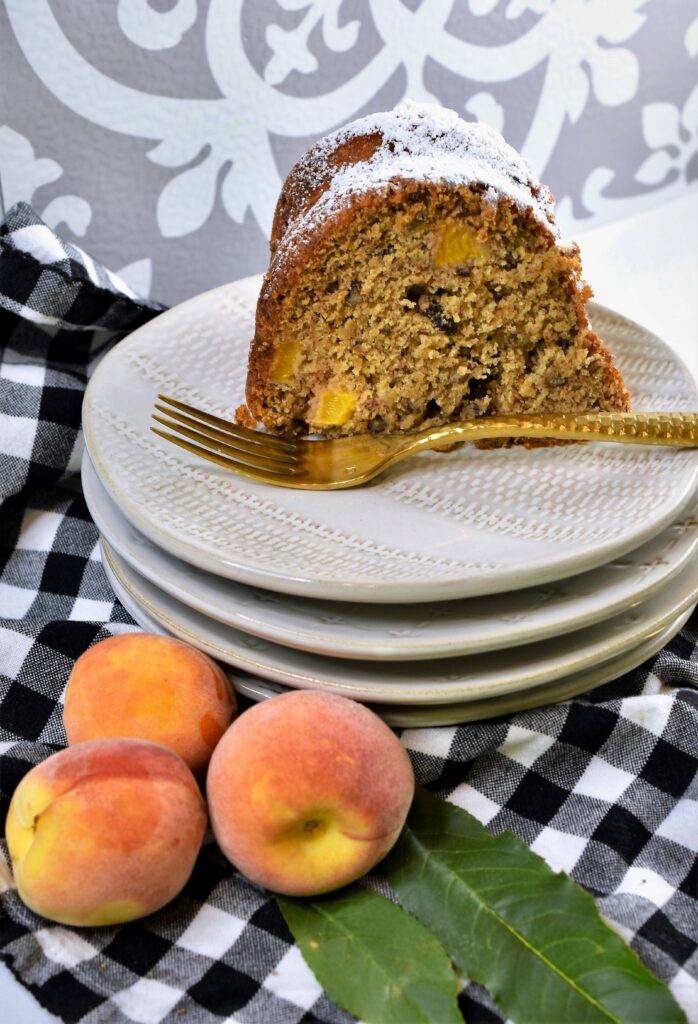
(156, 133)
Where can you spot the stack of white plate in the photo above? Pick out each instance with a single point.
(455, 587)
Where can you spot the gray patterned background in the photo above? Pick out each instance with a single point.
(156, 133)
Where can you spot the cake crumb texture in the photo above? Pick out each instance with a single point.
(417, 278)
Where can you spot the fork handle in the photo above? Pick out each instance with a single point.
(657, 428)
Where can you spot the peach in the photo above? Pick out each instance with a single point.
(104, 832)
(151, 688)
(308, 791)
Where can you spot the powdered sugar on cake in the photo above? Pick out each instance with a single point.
(421, 142)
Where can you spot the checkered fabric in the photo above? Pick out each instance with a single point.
(602, 786)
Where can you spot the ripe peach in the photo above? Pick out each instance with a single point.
(151, 688)
(105, 831)
(307, 791)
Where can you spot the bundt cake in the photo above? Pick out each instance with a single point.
(416, 278)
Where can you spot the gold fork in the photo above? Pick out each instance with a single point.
(348, 461)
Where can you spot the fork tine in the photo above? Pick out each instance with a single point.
(255, 458)
(256, 436)
(226, 436)
(220, 459)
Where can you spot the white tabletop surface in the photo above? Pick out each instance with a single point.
(645, 267)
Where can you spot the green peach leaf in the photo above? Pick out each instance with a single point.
(532, 937)
(373, 958)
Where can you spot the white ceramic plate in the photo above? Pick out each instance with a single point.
(426, 715)
(402, 632)
(436, 527)
(442, 681)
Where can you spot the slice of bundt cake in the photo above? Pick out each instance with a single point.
(416, 278)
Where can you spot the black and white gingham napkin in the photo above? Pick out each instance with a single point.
(602, 786)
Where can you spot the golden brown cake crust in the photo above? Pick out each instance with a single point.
(310, 177)
(383, 167)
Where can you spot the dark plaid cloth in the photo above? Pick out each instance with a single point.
(603, 786)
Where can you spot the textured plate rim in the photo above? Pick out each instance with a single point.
(430, 694)
(306, 640)
(361, 589)
(556, 692)
(407, 717)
